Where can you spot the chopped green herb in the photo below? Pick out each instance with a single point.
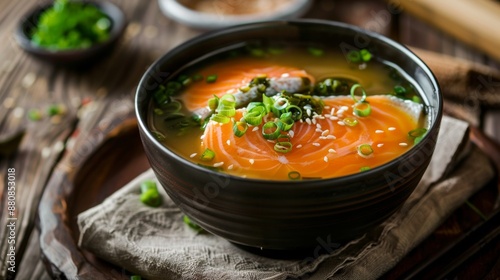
(211, 78)
(271, 130)
(364, 168)
(158, 111)
(71, 25)
(34, 115)
(294, 175)
(365, 150)
(158, 135)
(207, 155)
(400, 91)
(192, 224)
(135, 277)
(55, 109)
(418, 132)
(365, 55)
(354, 56)
(240, 128)
(197, 77)
(416, 99)
(315, 51)
(149, 194)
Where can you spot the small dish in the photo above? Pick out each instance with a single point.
(73, 56)
(175, 10)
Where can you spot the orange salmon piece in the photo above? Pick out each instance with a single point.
(231, 75)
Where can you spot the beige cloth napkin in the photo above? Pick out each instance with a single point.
(156, 244)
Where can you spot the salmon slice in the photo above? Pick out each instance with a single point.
(231, 75)
(324, 148)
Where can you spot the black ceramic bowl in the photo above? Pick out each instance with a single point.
(77, 56)
(289, 215)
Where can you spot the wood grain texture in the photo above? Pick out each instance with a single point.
(473, 22)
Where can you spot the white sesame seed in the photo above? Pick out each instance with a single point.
(298, 146)
(308, 111)
(321, 117)
(332, 111)
(203, 136)
(333, 118)
(301, 121)
(228, 142)
(319, 130)
(325, 133)
(308, 121)
(193, 155)
(219, 164)
(318, 125)
(285, 75)
(403, 144)
(230, 167)
(316, 144)
(391, 128)
(332, 151)
(325, 159)
(255, 128)
(378, 131)
(341, 123)
(270, 141)
(314, 121)
(323, 137)
(327, 107)
(344, 108)
(380, 145)
(331, 137)
(252, 161)
(291, 133)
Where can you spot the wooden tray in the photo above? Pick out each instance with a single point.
(111, 157)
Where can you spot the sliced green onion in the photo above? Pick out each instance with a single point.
(220, 118)
(256, 107)
(226, 112)
(158, 135)
(417, 132)
(191, 224)
(197, 77)
(158, 111)
(281, 103)
(135, 277)
(354, 56)
(283, 147)
(173, 106)
(244, 89)
(271, 130)
(268, 102)
(175, 86)
(296, 112)
(213, 103)
(275, 50)
(228, 100)
(400, 91)
(364, 168)
(362, 109)
(283, 138)
(207, 155)
(211, 78)
(253, 118)
(240, 128)
(365, 55)
(350, 121)
(417, 140)
(149, 194)
(285, 124)
(353, 91)
(365, 150)
(416, 99)
(294, 175)
(261, 88)
(315, 51)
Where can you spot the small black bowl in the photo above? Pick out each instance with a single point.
(289, 215)
(73, 56)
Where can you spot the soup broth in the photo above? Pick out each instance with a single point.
(288, 113)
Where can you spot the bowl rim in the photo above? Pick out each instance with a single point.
(180, 13)
(114, 12)
(434, 124)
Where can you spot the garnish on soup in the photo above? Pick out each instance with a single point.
(293, 114)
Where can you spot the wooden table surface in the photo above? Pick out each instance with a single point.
(107, 89)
